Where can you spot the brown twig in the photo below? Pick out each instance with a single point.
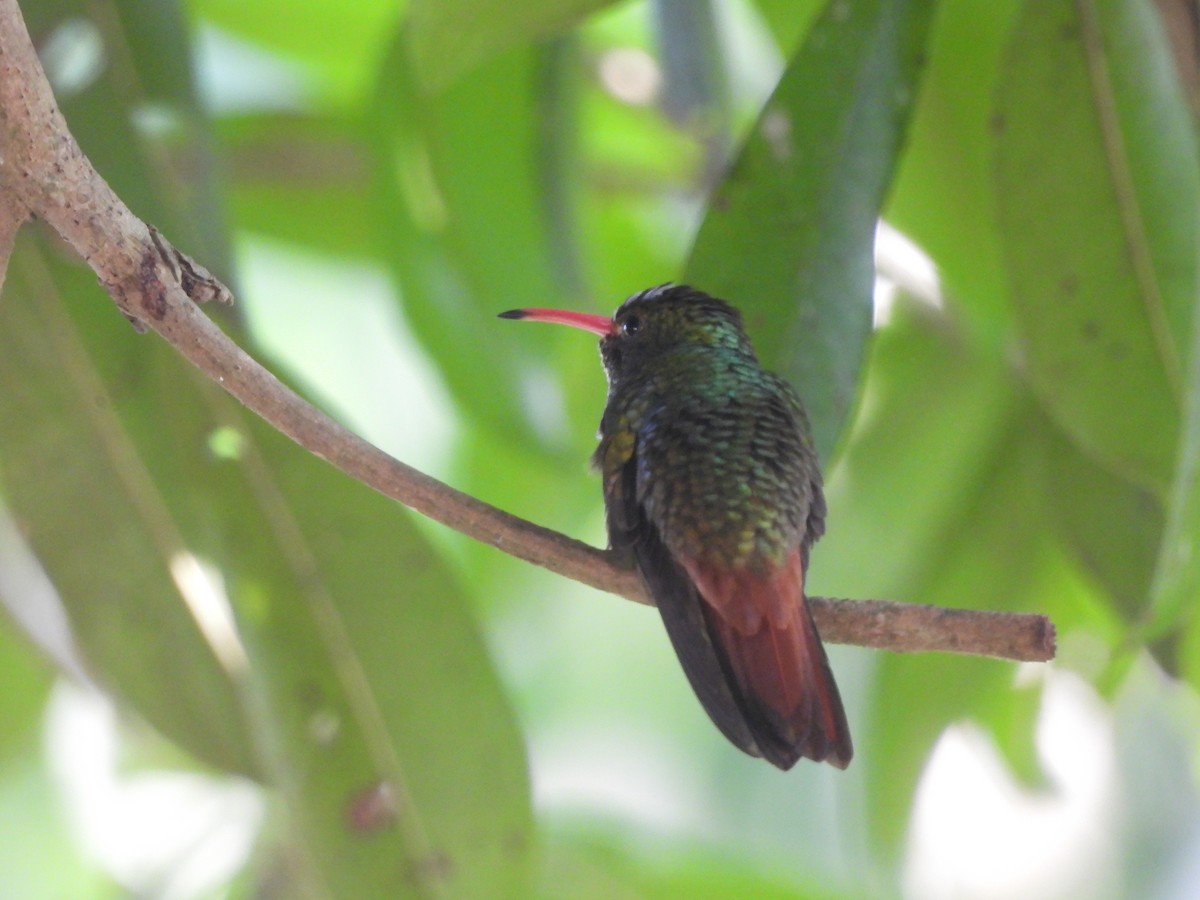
(44, 173)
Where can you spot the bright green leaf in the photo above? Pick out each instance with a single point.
(27, 685)
(787, 19)
(788, 234)
(340, 43)
(459, 206)
(943, 194)
(450, 37)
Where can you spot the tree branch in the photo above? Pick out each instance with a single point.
(44, 172)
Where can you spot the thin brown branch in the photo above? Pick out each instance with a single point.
(918, 628)
(156, 285)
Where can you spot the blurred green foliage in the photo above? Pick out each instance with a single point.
(377, 180)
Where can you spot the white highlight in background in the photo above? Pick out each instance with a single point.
(203, 590)
(173, 835)
(976, 834)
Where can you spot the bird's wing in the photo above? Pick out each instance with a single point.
(631, 532)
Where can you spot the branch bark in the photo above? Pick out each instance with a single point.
(44, 173)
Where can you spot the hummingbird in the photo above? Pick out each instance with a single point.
(712, 491)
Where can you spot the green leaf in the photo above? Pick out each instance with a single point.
(85, 393)
(136, 115)
(943, 197)
(25, 678)
(1177, 576)
(917, 697)
(1113, 526)
(599, 863)
(339, 43)
(937, 409)
(376, 708)
(788, 235)
(1098, 195)
(941, 488)
(129, 462)
(1176, 583)
(1189, 651)
(787, 19)
(450, 37)
(947, 200)
(458, 197)
(300, 179)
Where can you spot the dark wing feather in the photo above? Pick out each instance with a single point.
(679, 604)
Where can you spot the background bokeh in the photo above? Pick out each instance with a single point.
(1005, 395)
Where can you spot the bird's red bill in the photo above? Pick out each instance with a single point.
(601, 325)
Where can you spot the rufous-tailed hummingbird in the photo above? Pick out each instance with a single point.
(712, 490)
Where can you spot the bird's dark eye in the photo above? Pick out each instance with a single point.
(630, 325)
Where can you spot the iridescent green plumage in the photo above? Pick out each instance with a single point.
(731, 475)
(712, 490)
